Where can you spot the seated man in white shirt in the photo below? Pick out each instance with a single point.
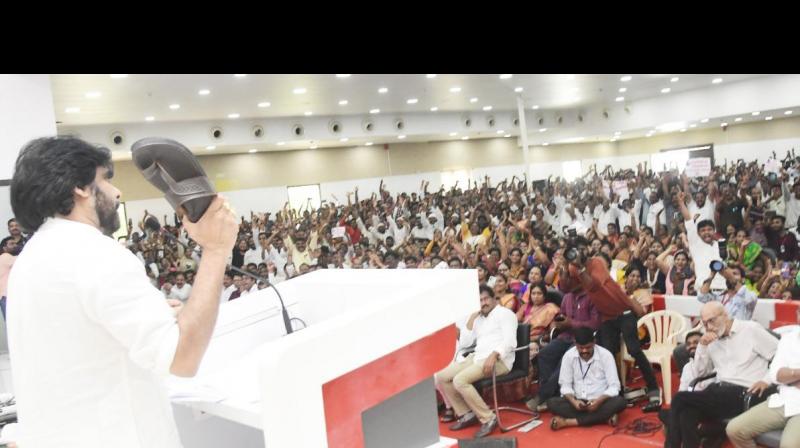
(739, 352)
(248, 286)
(782, 410)
(227, 287)
(494, 328)
(181, 290)
(589, 385)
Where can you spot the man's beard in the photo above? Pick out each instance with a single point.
(731, 285)
(106, 209)
(15, 251)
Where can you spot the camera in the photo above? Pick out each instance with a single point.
(571, 254)
(716, 266)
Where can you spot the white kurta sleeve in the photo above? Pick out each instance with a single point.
(135, 313)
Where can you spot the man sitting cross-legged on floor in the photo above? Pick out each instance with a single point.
(495, 330)
(589, 385)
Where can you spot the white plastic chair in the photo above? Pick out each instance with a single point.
(664, 327)
(786, 329)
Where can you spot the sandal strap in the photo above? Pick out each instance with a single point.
(184, 190)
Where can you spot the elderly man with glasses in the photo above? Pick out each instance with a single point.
(739, 352)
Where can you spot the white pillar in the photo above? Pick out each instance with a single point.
(523, 133)
(26, 112)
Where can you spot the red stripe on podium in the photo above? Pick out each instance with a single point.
(347, 396)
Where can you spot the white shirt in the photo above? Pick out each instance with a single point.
(788, 355)
(588, 380)
(496, 332)
(605, 217)
(792, 212)
(741, 358)
(90, 342)
(650, 219)
(181, 294)
(705, 212)
(226, 293)
(703, 254)
(687, 376)
(253, 256)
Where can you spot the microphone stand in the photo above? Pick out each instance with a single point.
(156, 226)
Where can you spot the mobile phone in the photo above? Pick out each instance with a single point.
(786, 270)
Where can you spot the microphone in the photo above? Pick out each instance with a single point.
(152, 223)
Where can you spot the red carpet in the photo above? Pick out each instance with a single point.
(590, 437)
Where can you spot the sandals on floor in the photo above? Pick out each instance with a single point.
(174, 170)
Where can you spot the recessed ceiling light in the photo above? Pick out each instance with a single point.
(723, 124)
(507, 76)
(401, 137)
(626, 78)
(149, 118)
(648, 135)
(374, 111)
(174, 106)
(368, 144)
(543, 130)
(692, 125)
(313, 147)
(412, 101)
(768, 118)
(518, 89)
(383, 90)
(203, 92)
(343, 76)
(344, 139)
(211, 147)
(507, 135)
(430, 76)
(674, 79)
(535, 107)
(264, 104)
(299, 90)
(487, 108)
(233, 116)
(737, 119)
(240, 76)
(118, 76)
(453, 134)
(683, 130)
(619, 99)
(455, 89)
(623, 89)
(704, 120)
(434, 109)
(281, 143)
(473, 100)
(716, 80)
(788, 112)
(93, 94)
(545, 144)
(613, 140)
(307, 113)
(755, 114)
(252, 150)
(500, 132)
(465, 138)
(666, 90)
(343, 103)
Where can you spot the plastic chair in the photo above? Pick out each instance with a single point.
(664, 327)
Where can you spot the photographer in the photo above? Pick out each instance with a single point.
(739, 302)
(619, 312)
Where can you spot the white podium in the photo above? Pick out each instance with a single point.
(373, 341)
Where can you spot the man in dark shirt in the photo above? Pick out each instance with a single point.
(729, 210)
(620, 314)
(782, 242)
(577, 311)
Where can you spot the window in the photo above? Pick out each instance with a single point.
(304, 196)
(571, 170)
(449, 179)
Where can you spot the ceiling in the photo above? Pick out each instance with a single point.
(103, 99)
(570, 107)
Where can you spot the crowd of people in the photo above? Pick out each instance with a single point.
(568, 258)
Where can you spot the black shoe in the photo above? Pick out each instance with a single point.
(487, 428)
(449, 416)
(467, 419)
